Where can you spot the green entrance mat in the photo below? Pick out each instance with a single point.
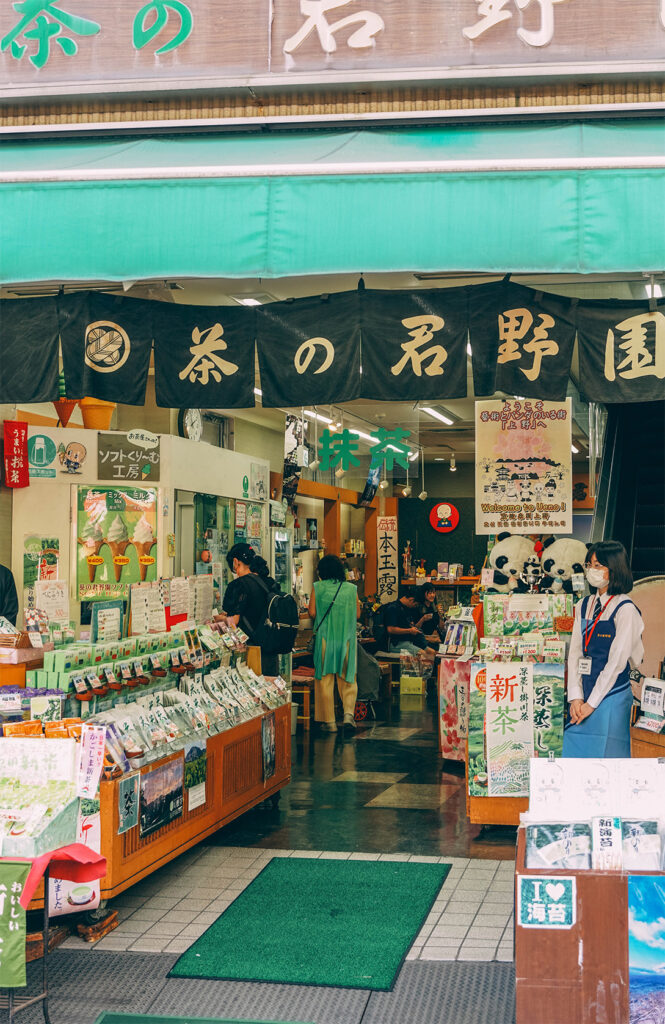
(134, 1018)
(342, 923)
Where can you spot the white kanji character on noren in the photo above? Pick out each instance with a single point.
(314, 11)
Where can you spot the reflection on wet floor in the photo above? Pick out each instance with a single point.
(384, 790)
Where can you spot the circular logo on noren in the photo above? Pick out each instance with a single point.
(107, 346)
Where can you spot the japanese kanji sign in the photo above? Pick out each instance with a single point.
(387, 579)
(106, 346)
(13, 876)
(508, 727)
(309, 350)
(128, 457)
(622, 352)
(128, 802)
(29, 344)
(17, 471)
(65, 44)
(414, 344)
(546, 902)
(524, 467)
(521, 341)
(204, 356)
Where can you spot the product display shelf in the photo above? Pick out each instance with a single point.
(234, 784)
(492, 810)
(646, 744)
(576, 974)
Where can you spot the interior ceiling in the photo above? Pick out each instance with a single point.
(435, 438)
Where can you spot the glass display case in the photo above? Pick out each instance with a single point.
(213, 537)
(281, 557)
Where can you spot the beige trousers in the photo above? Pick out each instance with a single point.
(324, 697)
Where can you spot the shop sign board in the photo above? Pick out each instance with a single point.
(56, 453)
(444, 517)
(387, 580)
(524, 480)
(75, 47)
(546, 902)
(13, 876)
(128, 457)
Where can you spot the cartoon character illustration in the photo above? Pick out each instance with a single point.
(443, 514)
(72, 457)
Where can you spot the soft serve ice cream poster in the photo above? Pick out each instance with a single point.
(116, 540)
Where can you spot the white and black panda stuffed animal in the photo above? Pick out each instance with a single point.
(561, 558)
(508, 557)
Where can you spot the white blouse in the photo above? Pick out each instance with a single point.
(627, 646)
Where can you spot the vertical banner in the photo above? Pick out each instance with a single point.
(128, 802)
(71, 897)
(549, 700)
(29, 343)
(91, 759)
(622, 351)
(106, 346)
(454, 677)
(414, 344)
(521, 341)
(524, 478)
(387, 580)
(509, 727)
(268, 745)
(309, 350)
(13, 876)
(17, 471)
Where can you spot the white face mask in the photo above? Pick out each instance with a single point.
(597, 577)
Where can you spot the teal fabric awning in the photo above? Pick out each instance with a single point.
(549, 198)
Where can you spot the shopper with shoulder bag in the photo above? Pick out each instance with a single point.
(335, 608)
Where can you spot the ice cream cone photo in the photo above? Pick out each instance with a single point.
(91, 541)
(118, 540)
(143, 540)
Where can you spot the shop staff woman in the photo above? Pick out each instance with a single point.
(605, 645)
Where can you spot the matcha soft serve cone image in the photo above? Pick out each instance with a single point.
(91, 541)
(118, 539)
(143, 541)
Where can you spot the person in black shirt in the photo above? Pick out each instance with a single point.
(246, 600)
(8, 595)
(403, 634)
(429, 615)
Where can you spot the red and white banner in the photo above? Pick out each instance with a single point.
(17, 473)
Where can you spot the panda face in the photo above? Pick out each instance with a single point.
(550, 567)
(502, 564)
(562, 557)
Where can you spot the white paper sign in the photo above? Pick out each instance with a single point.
(653, 697)
(91, 760)
(387, 562)
(52, 597)
(509, 727)
(579, 789)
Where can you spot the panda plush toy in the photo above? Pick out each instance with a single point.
(508, 558)
(561, 558)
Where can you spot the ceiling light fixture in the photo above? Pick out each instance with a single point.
(574, 450)
(423, 493)
(361, 433)
(339, 473)
(384, 484)
(245, 301)
(257, 391)
(453, 463)
(437, 415)
(468, 349)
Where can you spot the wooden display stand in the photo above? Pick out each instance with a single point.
(646, 744)
(578, 974)
(234, 784)
(492, 810)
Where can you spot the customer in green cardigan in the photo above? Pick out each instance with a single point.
(335, 608)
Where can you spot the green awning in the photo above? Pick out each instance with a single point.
(549, 198)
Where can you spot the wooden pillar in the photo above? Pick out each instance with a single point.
(332, 525)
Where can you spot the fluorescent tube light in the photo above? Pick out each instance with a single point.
(437, 415)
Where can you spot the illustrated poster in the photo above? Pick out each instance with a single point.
(646, 942)
(509, 727)
(116, 540)
(524, 467)
(161, 796)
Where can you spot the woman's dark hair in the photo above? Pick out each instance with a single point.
(332, 568)
(247, 555)
(424, 590)
(614, 557)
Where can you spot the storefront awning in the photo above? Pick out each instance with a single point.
(585, 198)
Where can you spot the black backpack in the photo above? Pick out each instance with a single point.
(277, 633)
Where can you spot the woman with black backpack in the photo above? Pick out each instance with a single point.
(247, 597)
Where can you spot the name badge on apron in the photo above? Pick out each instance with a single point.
(584, 666)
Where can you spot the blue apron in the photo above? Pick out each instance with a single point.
(606, 732)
